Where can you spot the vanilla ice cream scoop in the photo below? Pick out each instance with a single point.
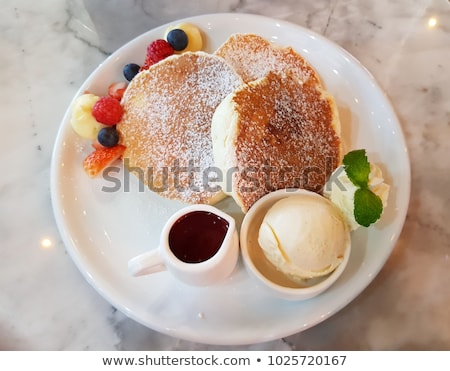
(304, 236)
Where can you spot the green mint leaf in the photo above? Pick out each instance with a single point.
(357, 167)
(367, 207)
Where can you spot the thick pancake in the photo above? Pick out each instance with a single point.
(275, 132)
(253, 57)
(166, 125)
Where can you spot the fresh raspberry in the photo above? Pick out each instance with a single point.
(148, 62)
(157, 51)
(107, 110)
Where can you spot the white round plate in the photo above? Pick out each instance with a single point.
(106, 221)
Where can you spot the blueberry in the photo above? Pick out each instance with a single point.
(108, 136)
(130, 70)
(178, 39)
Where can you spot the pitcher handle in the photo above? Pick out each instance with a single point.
(147, 263)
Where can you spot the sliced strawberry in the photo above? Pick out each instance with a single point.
(96, 145)
(101, 158)
(116, 89)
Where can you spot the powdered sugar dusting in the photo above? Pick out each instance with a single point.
(254, 57)
(167, 124)
(286, 137)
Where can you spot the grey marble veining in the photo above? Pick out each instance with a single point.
(48, 50)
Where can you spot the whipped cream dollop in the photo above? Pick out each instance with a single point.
(82, 120)
(340, 190)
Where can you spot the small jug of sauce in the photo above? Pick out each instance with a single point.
(199, 245)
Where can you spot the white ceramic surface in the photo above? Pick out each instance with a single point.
(103, 230)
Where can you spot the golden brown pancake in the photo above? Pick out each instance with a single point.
(253, 57)
(273, 133)
(166, 125)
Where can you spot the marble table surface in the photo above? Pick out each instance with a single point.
(49, 47)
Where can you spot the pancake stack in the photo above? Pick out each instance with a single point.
(255, 113)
